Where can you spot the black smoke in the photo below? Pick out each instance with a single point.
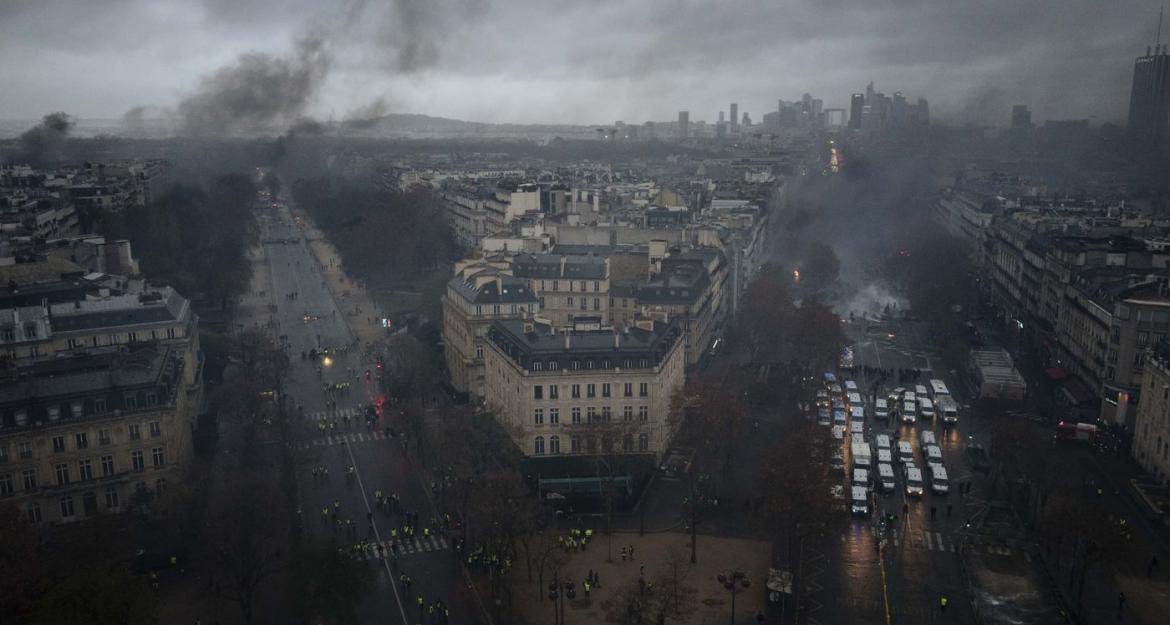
(46, 142)
(258, 92)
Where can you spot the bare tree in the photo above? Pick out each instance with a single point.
(247, 537)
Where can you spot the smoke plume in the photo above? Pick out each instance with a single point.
(258, 92)
(45, 141)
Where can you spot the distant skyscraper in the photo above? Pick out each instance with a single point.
(734, 118)
(1021, 117)
(721, 120)
(856, 104)
(1149, 100)
(684, 124)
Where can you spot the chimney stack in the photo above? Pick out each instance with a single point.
(617, 340)
(568, 342)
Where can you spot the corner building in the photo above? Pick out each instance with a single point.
(584, 391)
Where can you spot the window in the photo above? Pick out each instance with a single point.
(131, 402)
(538, 392)
(554, 444)
(590, 414)
(82, 440)
(107, 466)
(160, 486)
(479, 351)
(596, 286)
(58, 444)
(133, 337)
(605, 414)
(643, 413)
(554, 415)
(6, 487)
(576, 391)
(85, 470)
(66, 506)
(3, 453)
(643, 390)
(30, 479)
(553, 365)
(103, 437)
(553, 392)
(575, 444)
(569, 300)
(576, 415)
(155, 429)
(33, 510)
(605, 390)
(156, 455)
(99, 406)
(584, 304)
(135, 431)
(627, 413)
(8, 333)
(72, 343)
(537, 366)
(62, 474)
(111, 497)
(556, 285)
(628, 390)
(136, 461)
(24, 450)
(538, 446)
(591, 390)
(643, 442)
(583, 289)
(538, 416)
(596, 303)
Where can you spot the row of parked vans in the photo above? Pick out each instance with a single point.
(920, 402)
(878, 473)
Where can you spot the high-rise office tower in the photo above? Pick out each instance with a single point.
(684, 124)
(734, 118)
(1021, 117)
(1149, 100)
(856, 104)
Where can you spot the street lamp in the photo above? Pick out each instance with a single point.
(559, 591)
(732, 581)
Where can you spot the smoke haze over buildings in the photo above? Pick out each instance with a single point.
(273, 61)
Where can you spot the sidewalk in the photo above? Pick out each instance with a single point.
(709, 601)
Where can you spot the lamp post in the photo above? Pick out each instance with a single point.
(733, 581)
(559, 591)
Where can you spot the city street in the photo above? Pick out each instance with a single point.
(308, 318)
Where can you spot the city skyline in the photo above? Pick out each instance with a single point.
(377, 60)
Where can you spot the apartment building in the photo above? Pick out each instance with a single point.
(1151, 432)
(93, 434)
(585, 390)
(568, 286)
(477, 296)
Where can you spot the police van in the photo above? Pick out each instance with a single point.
(859, 500)
(938, 479)
(885, 480)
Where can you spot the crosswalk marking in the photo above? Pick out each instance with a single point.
(413, 545)
(349, 438)
(337, 415)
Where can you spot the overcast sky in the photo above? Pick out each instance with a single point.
(567, 61)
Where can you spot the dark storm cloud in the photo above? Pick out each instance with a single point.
(566, 60)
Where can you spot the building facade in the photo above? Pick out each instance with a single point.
(1151, 433)
(585, 391)
(94, 434)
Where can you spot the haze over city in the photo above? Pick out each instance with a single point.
(472, 312)
(570, 62)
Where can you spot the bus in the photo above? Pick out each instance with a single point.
(938, 389)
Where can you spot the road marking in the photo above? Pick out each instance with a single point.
(941, 546)
(377, 535)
